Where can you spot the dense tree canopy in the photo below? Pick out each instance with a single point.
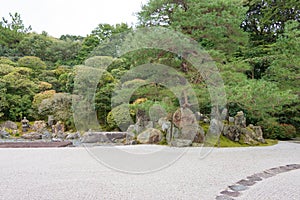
(254, 43)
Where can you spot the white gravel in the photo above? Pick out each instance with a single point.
(72, 173)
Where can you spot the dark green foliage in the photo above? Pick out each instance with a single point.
(278, 131)
(255, 46)
(265, 19)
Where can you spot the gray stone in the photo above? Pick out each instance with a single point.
(240, 119)
(56, 140)
(149, 125)
(175, 134)
(232, 132)
(199, 116)
(181, 143)
(142, 120)
(238, 188)
(224, 114)
(293, 166)
(50, 120)
(230, 193)
(130, 135)
(258, 134)
(231, 119)
(39, 126)
(131, 142)
(248, 136)
(73, 136)
(264, 175)
(206, 120)
(184, 117)
(150, 136)
(164, 124)
(195, 134)
(46, 135)
(103, 137)
(32, 136)
(215, 127)
(246, 182)
(131, 129)
(9, 125)
(199, 137)
(224, 197)
(61, 135)
(4, 134)
(58, 127)
(254, 178)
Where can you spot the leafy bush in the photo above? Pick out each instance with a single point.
(7, 61)
(118, 117)
(274, 130)
(32, 62)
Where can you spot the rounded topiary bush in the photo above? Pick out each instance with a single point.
(120, 117)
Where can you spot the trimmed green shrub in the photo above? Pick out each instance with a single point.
(274, 130)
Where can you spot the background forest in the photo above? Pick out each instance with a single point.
(255, 44)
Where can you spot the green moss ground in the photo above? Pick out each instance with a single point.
(225, 142)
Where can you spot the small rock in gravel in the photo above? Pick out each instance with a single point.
(238, 187)
(246, 182)
(229, 193)
(264, 175)
(293, 166)
(254, 178)
(224, 197)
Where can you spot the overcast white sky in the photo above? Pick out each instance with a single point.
(75, 17)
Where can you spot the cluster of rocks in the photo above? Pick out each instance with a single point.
(181, 130)
(7, 128)
(38, 131)
(238, 131)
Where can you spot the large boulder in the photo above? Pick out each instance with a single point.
(216, 127)
(39, 126)
(59, 127)
(73, 136)
(184, 117)
(248, 136)
(175, 134)
(130, 136)
(164, 124)
(251, 135)
(181, 143)
(4, 134)
(258, 133)
(9, 125)
(32, 136)
(185, 136)
(240, 119)
(46, 135)
(232, 132)
(150, 136)
(103, 137)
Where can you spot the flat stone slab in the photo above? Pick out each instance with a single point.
(35, 144)
(224, 197)
(238, 188)
(231, 194)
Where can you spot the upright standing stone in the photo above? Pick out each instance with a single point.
(50, 120)
(240, 119)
